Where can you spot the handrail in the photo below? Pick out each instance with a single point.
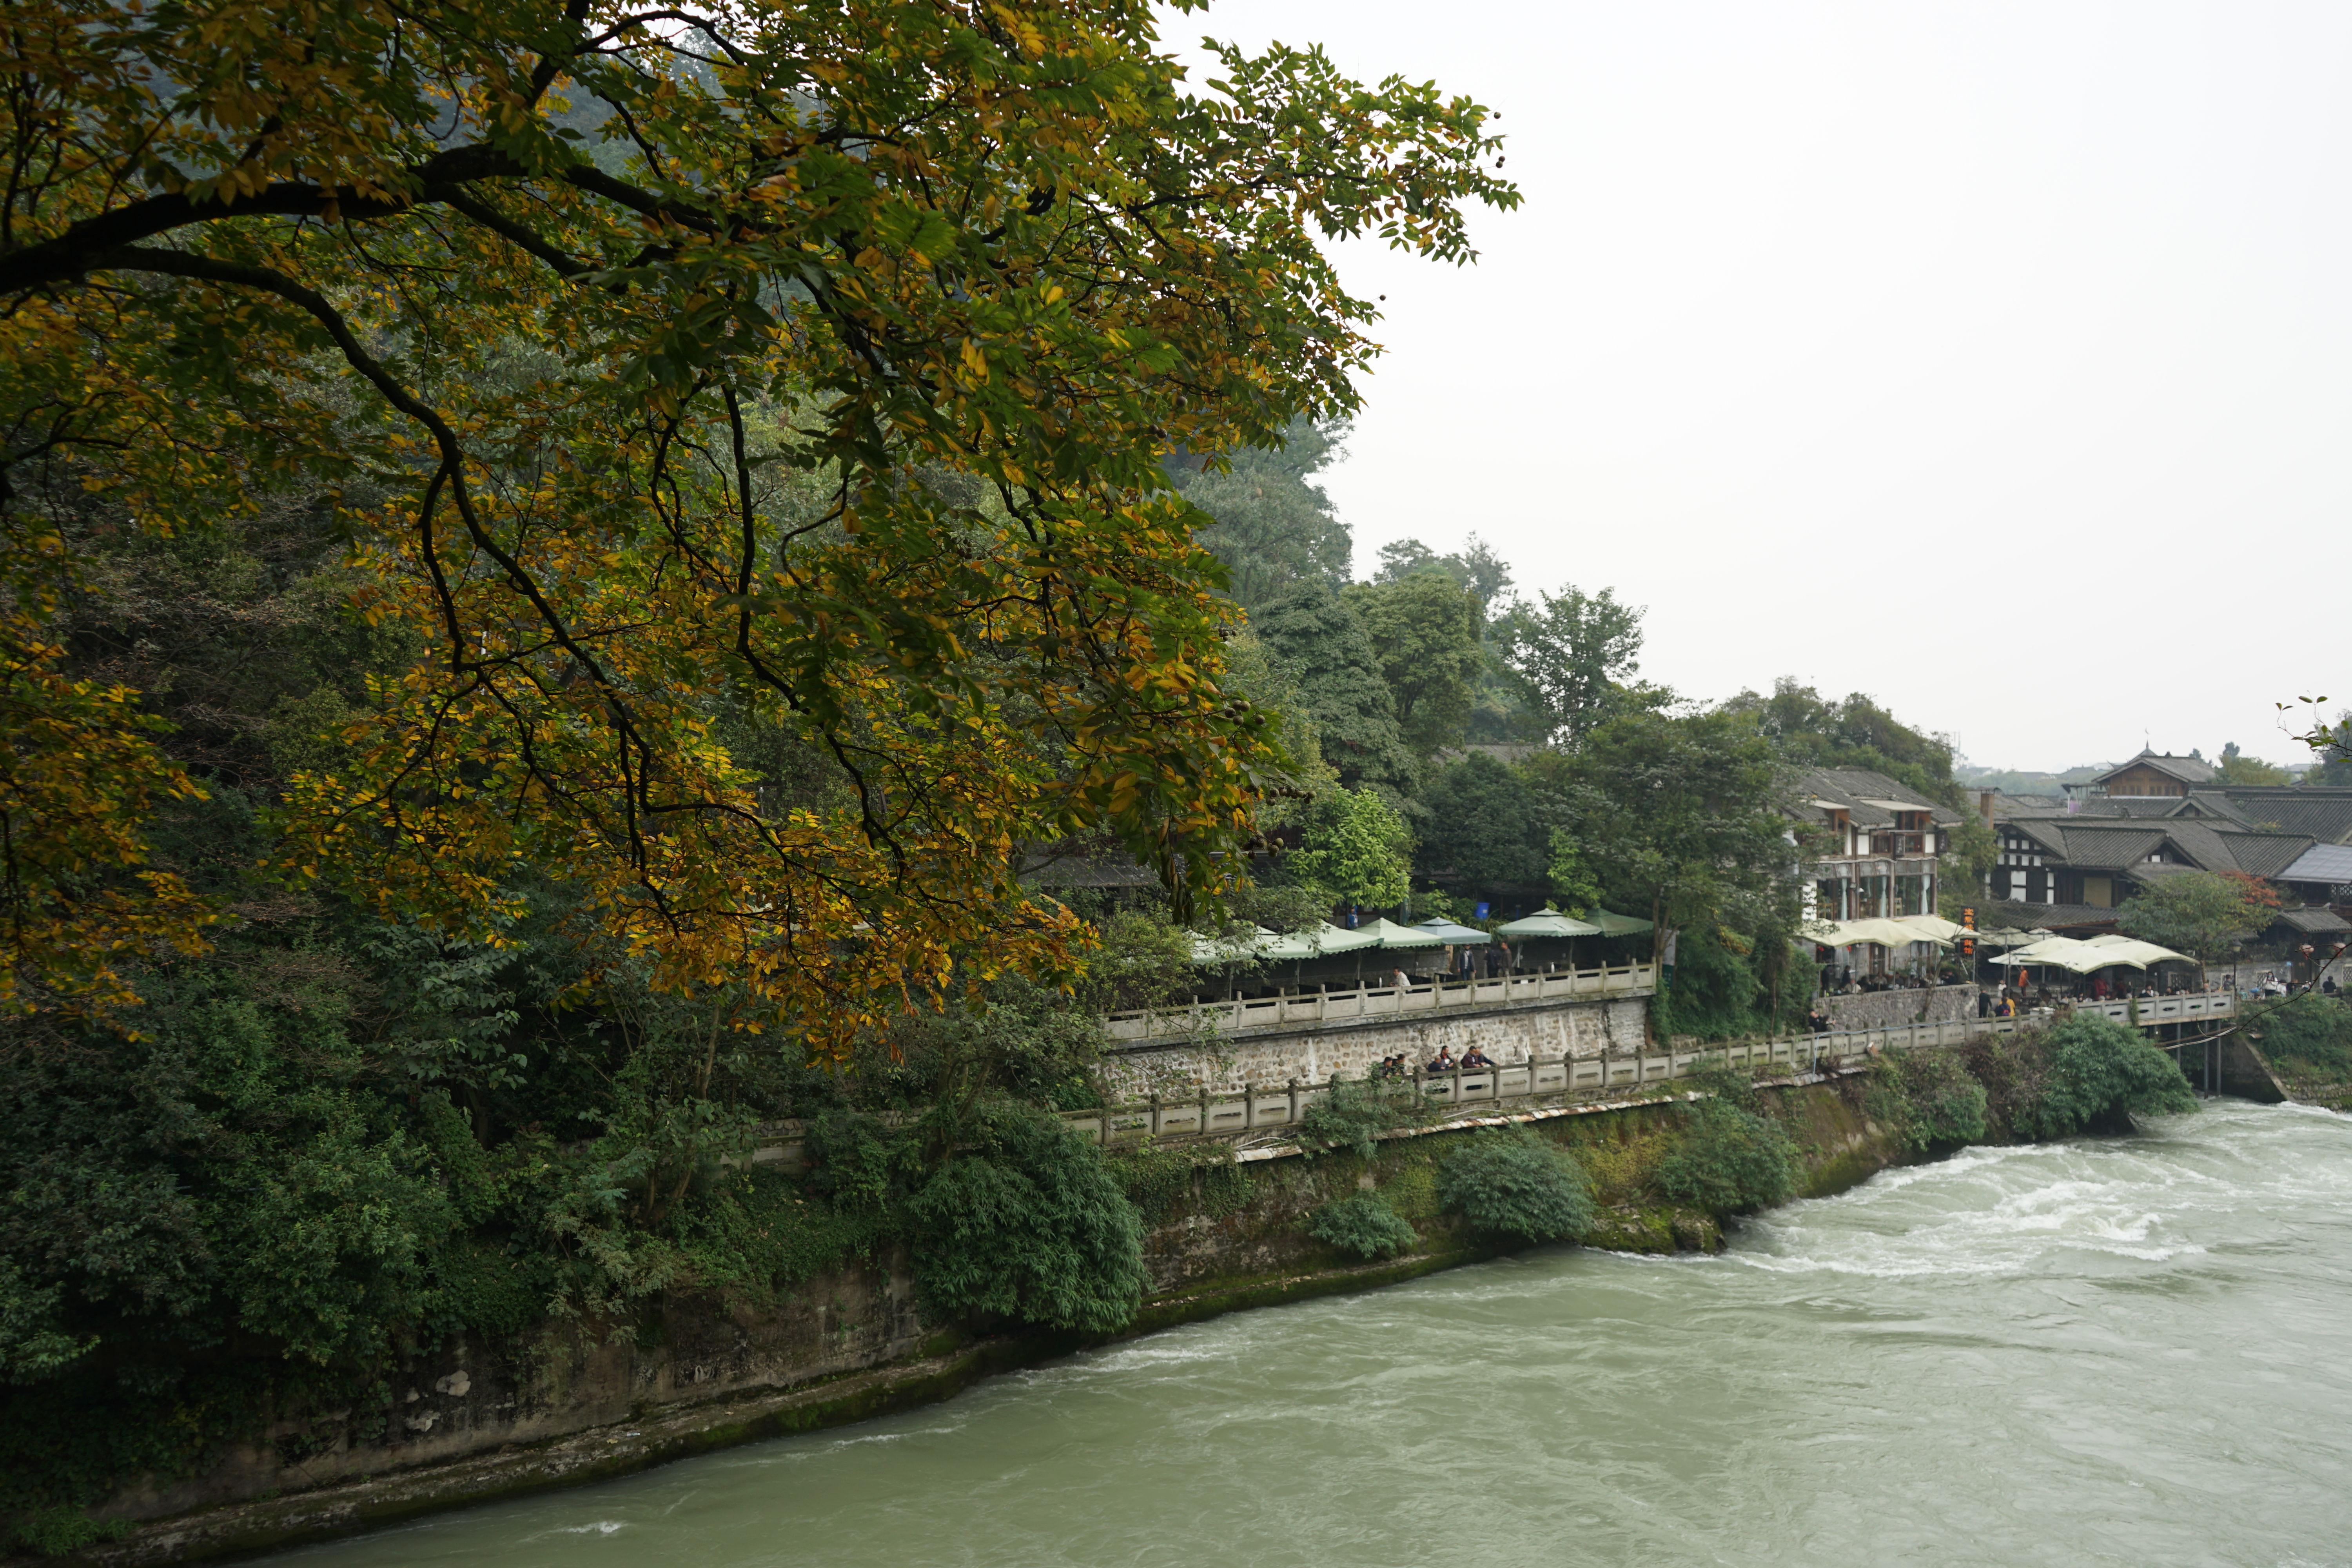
(1463, 1090)
(1374, 1001)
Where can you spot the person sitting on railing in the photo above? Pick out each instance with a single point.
(1474, 1057)
(1444, 1061)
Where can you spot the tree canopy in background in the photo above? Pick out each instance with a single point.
(1573, 656)
(2200, 913)
(1475, 566)
(1487, 830)
(1426, 634)
(1274, 527)
(1684, 818)
(2236, 768)
(825, 380)
(1357, 849)
(1315, 635)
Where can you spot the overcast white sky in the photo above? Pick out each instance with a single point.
(1975, 356)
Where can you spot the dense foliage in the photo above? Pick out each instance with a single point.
(1356, 1111)
(2198, 912)
(2308, 1036)
(572, 554)
(1364, 1224)
(1732, 1158)
(1509, 1181)
(1931, 1097)
(785, 378)
(2087, 1074)
(1027, 1225)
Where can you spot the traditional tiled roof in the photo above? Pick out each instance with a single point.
(2049, 833)
(2210, 803)
(2267, 854)
(2132, 805)
(2053, 917)
(2204, 848)
(2322, 814)
(1859, 790)
(2329, 863)
(2110, 849)
(2188, 770)
(2314, 921)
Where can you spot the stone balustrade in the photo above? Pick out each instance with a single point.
(1315, 1008)
(1475, 1092)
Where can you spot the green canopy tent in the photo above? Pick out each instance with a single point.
(1549, 922)
(1395, 938)
(1620, 925)
(1455, 935)
(1549, 925)
(1326, 940)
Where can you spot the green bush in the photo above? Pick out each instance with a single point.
(1931, 1097)
(2101, 1072)
(54, 1531)
(2311, 1032)
(1511, 1183)
(1030, 1225)
(1365, 1225)
(1357, 1111)
(1160, 1181)
(1730, 1160)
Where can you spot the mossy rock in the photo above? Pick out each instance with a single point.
(1655, 1228)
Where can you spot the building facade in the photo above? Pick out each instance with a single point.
(1880, 843)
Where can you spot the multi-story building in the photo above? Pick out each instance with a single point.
(1884, 842)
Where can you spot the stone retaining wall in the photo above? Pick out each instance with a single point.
(1271, 1059)
(1892, 1009)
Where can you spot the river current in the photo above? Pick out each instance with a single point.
(2128, 1350)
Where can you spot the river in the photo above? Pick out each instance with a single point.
(2124, 1351)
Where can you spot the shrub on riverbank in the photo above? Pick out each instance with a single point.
(1358, 1111)
(2100, 1073)
(1364, 1224)
(1509, 1181)
(1731, 1160)
(2306, 1036)
(1930, 1096)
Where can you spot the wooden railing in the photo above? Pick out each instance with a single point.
(1315, 1009)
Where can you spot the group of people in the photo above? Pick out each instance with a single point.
(1445, 1062)
(1838, 980)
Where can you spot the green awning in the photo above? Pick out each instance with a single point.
(1321, 942)
(1392, 935)
(1550, 922)
(1618, 925)
(1239, 949)
(1455, 935)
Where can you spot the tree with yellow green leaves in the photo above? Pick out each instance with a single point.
(674, 374)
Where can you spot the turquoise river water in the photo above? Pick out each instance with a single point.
(2117, 1351)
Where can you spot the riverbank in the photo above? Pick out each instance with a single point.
(2093, 1350)
(483, 1421)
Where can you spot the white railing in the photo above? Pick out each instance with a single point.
(1465, 1091)
(1313, 1009)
